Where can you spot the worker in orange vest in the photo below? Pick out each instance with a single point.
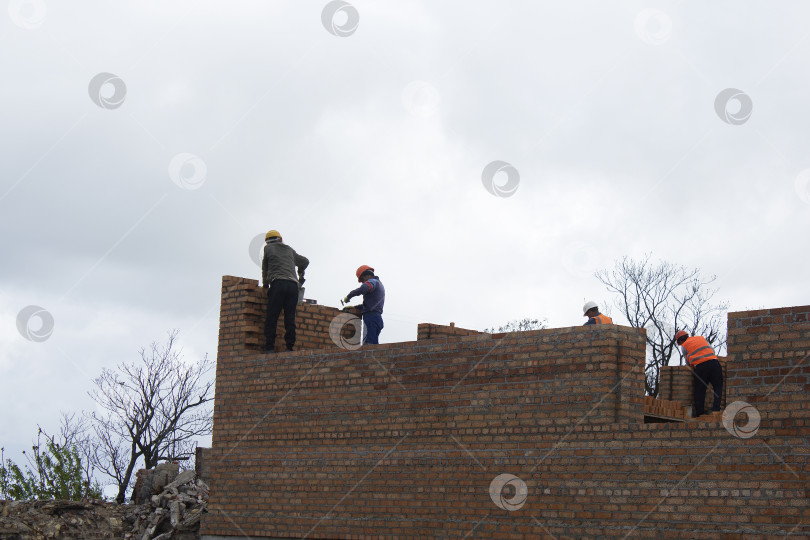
(706, 369)
(594, 317)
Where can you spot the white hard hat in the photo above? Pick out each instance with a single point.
(588, 305)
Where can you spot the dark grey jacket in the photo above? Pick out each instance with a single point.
(279, 262)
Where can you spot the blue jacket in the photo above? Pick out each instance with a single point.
(373, 295)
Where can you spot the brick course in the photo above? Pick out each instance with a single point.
(403, 440)
(435, 331)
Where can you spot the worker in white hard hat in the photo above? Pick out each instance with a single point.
(591, 310)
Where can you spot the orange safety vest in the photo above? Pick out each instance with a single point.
(602, 319)
(698, 350)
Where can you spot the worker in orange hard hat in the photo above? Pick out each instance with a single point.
(706, 369)
(373, 292)
(278, 274)
(591, 310)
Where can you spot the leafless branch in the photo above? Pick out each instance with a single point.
(663, 297)
(153, 409)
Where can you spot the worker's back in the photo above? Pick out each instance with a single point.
(279, 262)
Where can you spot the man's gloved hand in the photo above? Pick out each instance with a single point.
(346, 300)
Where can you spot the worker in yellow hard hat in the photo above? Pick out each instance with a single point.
(279, 275)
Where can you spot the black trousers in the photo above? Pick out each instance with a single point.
(283, 294)
(709, 372)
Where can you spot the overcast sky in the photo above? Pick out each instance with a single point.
(363, 136)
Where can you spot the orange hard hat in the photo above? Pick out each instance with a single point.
(679, 334)
(363, 269)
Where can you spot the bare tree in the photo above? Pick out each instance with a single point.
(154, 408)
(519, 325)
(75, 432)
(662, 298)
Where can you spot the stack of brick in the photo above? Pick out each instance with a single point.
(663, 407)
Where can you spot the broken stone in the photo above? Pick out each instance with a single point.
(174, 513)
(183, 478)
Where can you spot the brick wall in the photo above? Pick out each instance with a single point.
(435, 331)
(242, 315)
(405, 440)
(770, 348)
(202, 464)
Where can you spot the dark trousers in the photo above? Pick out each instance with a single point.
(283, 294)
(709, 372)
(374, 325)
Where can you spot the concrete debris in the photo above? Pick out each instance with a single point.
(173, 513)
(151, 481)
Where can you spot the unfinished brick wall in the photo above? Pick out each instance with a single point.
(202, 463)
(436, 331)
(242, 315)
(404, 440)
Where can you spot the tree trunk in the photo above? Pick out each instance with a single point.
(124, 483)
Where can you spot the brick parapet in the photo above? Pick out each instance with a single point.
(771, 357)
(242, 315)
(434, 331)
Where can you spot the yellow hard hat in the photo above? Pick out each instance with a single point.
(272, 234)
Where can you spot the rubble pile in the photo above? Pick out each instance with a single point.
(35, 520)
(174, 513)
